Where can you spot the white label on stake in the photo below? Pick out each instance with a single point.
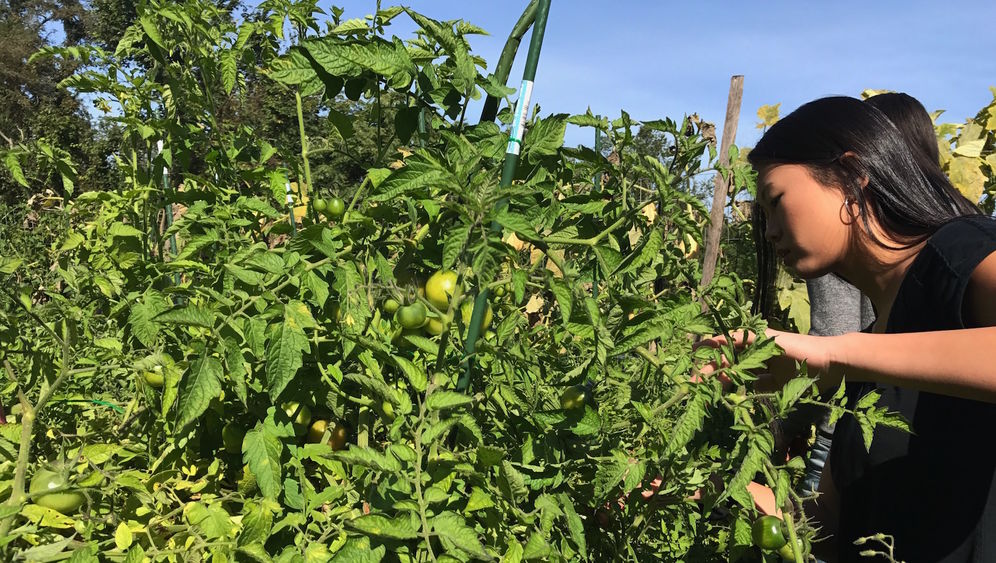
(519, 123)
(290, 199)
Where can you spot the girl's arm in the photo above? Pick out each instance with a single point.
(951, 362)
(960, 363)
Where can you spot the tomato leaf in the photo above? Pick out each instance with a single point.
(400, 527)
(285, 349)
(261, 450)
(441, 400)
(415, 375)
(453, 529)
(256, 523)
(191, 315)
(203, 383)
(368, 457)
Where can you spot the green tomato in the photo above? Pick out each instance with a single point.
(440, 287)
(335, 208)
(412, 316)
(154, 378)
(467, 311)
(435, 326)
(388, 409)
(767, 533)
(500, 291)
(299, 414)
(573, 398)
(319, 205)
(65, 502)
(232, 436)
(391, 306)
(786, 553)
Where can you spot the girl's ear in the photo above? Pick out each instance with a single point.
(850, 161)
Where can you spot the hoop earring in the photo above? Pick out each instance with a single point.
(847, 205)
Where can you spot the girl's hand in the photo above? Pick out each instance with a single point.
(817, 351)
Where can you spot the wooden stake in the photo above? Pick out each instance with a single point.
(717, 215)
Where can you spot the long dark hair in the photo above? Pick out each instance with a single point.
(910, 196)
(913, 121)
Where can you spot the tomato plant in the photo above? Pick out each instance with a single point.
(266, 326)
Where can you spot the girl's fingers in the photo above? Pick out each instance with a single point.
(740, 339)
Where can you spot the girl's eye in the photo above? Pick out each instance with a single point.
(774, 202)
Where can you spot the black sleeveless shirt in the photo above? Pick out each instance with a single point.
(933, 490)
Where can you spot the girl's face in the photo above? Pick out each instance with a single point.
(807, 224)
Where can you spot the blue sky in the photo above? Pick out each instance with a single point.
(657, 59)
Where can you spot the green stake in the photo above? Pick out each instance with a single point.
(508, 171)
(169, 213)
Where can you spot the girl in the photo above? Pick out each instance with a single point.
(842, 192)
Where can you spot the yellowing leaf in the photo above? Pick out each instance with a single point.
(972, 131)
(692, 246)
(46, 517)
(123, 536)
(535, 304)
(515, 242)
(991, 161)
(871, 92)
(991, 119)
(971, 148)
(768, 115)
(967, 176)
(552, 266)
(650, 212)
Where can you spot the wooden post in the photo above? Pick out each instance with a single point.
(717, 215)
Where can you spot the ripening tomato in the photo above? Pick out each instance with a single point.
(65, 502)
(467, 311)
(316, 431)
(439, 288)
(339, 436)
(319, 205)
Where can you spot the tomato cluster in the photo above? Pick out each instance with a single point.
(333, 208)
(438, 291)
(768, 534)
